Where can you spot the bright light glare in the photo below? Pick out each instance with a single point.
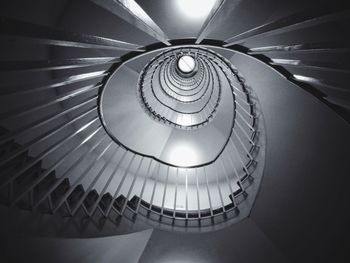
(195, 9)
(183, 155)
(186, 64)
(186, 120)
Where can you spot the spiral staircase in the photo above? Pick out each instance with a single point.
(174, 131)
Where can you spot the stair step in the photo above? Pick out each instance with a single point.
(90, 199)
(105, 201)
(75, 195)
(60, 190)
(119, 202)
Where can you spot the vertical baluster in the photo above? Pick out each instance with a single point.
(197, 186)
(186, 190)
(143, 186)
(219, 189)
(165, 188)
(208, 192)
(154, 187)
(175, 197)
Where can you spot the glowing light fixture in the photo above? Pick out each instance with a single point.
(195, 9)
(186, 64)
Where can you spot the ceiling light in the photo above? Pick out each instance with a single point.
(186, 64)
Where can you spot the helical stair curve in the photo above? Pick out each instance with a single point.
(166, 132)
